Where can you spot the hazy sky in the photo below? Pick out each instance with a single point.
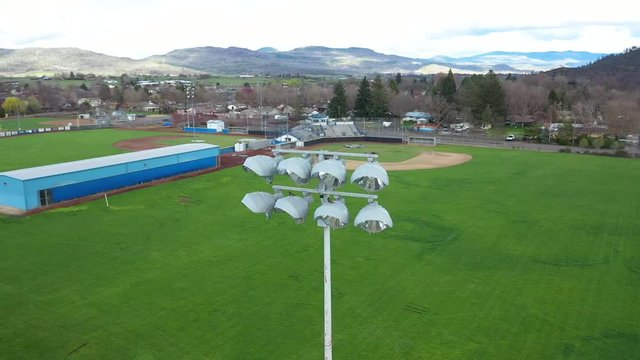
(422, 29)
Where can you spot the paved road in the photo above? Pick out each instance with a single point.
(481, 140)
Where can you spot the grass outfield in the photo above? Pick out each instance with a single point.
(41, 149)
(514, 255)
(386, 152)
(29, 123)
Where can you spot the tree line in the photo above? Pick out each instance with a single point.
(482, 95)
(450, 98)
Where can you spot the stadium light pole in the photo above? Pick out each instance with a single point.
(18, 117)
(332, 213)
(190, 91)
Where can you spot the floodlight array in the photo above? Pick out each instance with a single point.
(332, 174)
(332, 213)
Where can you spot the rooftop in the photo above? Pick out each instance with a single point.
(80, 165)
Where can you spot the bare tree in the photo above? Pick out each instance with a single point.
(247, 96)
(315, 95)
(404, 102)
(48, 96)
(622, 114)
(132, 96)
(443, 111)
(523, 99)
(585, 112)
(214, 96)
(276, 94)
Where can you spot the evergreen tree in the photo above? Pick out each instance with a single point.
(398, 78)
(553, 97)
(447, 87)
(493, 94)
(118, 95)
(379, 106)
(363, 99)
(478, 91)
(104, 93)
(338, 104)
(393, 86)
(487, 115)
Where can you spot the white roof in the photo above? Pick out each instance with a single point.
(80, 165)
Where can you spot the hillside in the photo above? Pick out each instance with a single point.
(618, 71)
(42, 61)
(312, 60)
(534, 61)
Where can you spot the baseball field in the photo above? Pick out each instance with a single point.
(511, 255)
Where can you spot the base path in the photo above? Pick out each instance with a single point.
(73, 122)
(425, 160)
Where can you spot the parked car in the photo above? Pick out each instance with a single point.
(510, 137)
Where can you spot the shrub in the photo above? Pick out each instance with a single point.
(584, 142)
(608, 143)
(565, 150)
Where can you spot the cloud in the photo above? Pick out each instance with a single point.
(408, 28)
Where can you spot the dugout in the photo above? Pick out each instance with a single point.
(31, 188)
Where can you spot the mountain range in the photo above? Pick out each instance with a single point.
(616, 71)
(313, 60)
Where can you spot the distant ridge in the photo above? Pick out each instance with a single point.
(616, 71)
(49, 61)
(312, 60)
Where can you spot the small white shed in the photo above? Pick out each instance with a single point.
(288, 137)
(218, 125)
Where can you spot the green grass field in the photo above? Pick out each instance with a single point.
(502, 131)
(14, 123)
(386, 152)
(514, 255)
(41, 149)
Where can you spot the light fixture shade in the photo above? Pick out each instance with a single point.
(297, 207)
(331, 173)
(261, 165)
(298, 169)
(373, 218)
(370, 176)
(335, 215)
(261, 202)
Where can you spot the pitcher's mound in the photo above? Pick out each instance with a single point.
(425, 160)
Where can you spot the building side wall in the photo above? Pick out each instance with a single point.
(12, 193)
(82, 183)
(74, 191)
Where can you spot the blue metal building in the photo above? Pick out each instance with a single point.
(31, 188)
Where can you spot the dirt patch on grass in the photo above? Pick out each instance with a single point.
(425, 160)
(7, 210)
(66, 122)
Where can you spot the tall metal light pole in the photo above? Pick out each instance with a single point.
(18, 117)
(332, 214)
(190, 92)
